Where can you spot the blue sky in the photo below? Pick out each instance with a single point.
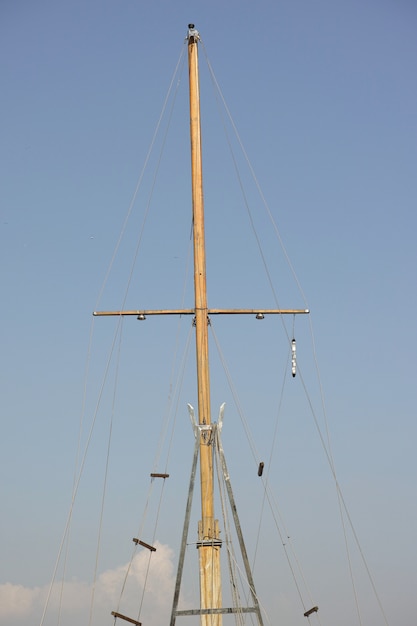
(324, 96)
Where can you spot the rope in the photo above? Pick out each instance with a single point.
(177, 387)
(103, 498)
(140, 179)
(254, 177)
(78, 478)
(228, 540)
(256, 456)
(235, 395)
(327, 449)
(174, 392)
(176, 71)
(269, 464)
(77, 456)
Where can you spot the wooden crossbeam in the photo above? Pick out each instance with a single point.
(310, 611)
(127, 619)
(142, 543)
(144, 312)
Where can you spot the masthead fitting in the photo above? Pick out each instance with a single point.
(193, 32)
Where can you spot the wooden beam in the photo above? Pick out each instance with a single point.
(142, 543)
(145, 312)
(310, 611)
(127, 619)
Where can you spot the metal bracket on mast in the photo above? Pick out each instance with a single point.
(205, 430)
(215, 429)
(192, 33)
(221, 414)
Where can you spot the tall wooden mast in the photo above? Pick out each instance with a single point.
(207, 433)
(208, 533)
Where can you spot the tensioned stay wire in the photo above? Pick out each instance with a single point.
(255, 178)
(174, 391)
(328, 447)
(343, 507)
(138, 246)
(79, 472)
(254, 453)
(234, 567)
(106, 471)
(218, 91)
(178, 384)
(79, 475)
(77, 456)
(141, 175)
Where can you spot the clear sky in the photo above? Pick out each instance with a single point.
(324, 96)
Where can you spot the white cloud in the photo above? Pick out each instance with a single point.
(20, 605)
(17, 601)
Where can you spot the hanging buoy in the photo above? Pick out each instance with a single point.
(293, 359)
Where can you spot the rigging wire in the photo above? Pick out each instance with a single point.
(181, 58)
(234, 568)
(256, 456)
(177, 387)
(344, 508)
(235, 395)
(106, 471)
(80, 472)
(180, 378)
(255, 179)
(341, 501)
(180, 64)
(174, 392)
(77, 457)
(327, 448)
(228, 540)
(150, 197)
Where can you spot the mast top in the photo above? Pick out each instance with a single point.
(193, 34)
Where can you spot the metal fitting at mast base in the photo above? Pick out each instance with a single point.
(211, 543)
(209, 534)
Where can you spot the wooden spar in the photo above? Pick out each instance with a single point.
(209, 554)
(311, 611)
(144, 312)
(142, 543)
(127, 619)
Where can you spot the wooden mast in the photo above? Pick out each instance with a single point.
(208, 532)
(209, 542)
